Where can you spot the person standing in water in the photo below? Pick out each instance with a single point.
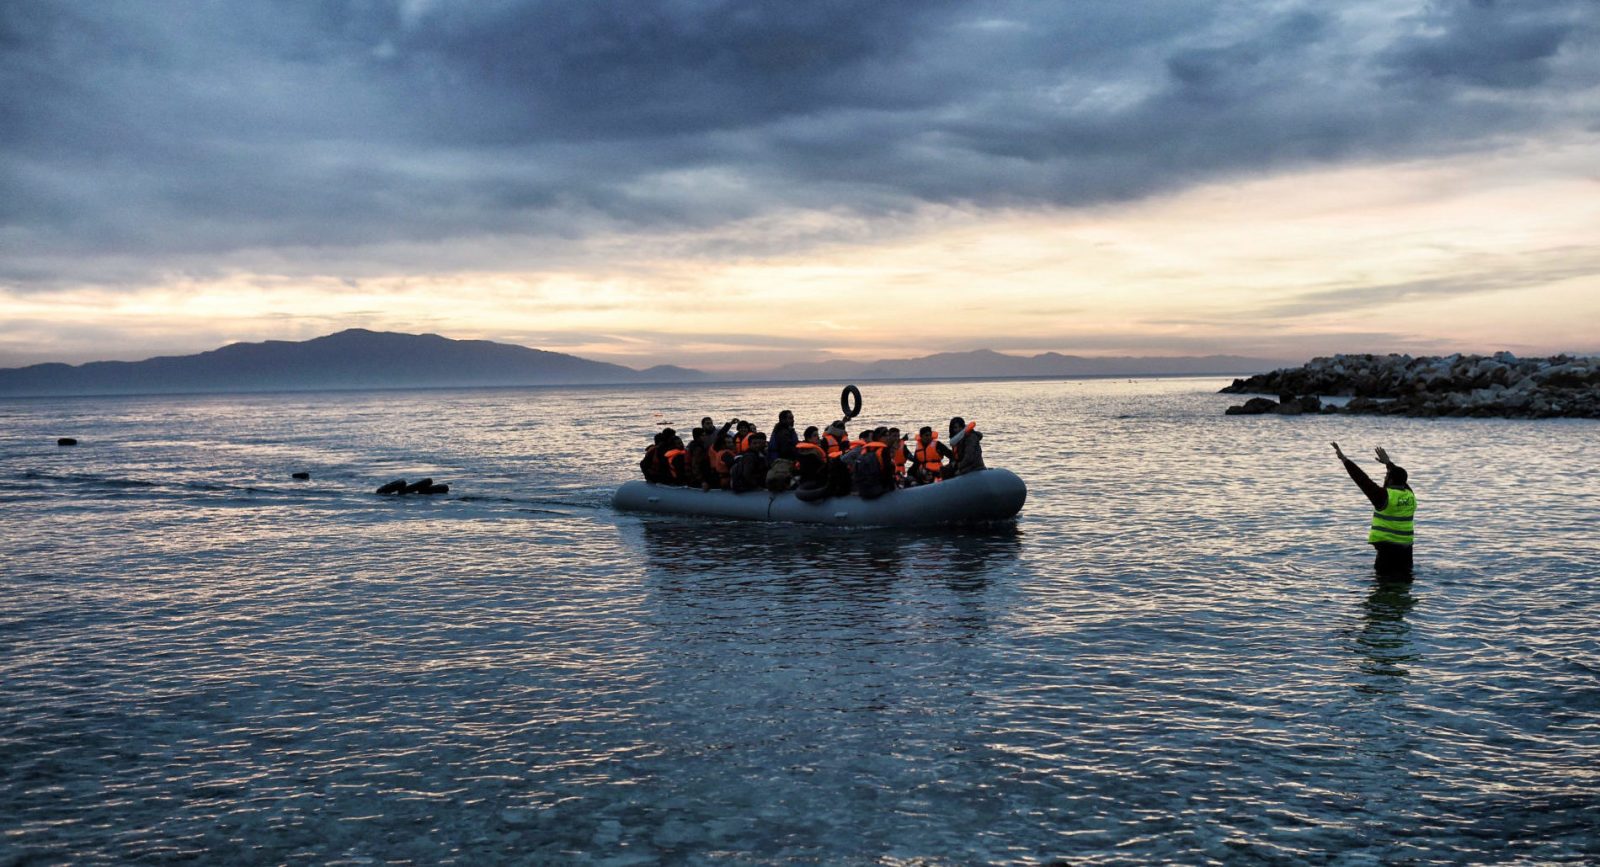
(1394, 506)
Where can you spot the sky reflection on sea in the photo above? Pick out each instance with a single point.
(1177, 652)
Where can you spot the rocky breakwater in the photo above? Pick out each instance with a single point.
(1499, 386)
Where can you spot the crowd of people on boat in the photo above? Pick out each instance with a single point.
(815, 463)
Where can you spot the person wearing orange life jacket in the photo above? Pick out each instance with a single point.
(886, 438)
(899, 456)
(811, 458)
(719, 458)
(654, 465)
(871, 472)
(928, 456)
(748, 472)
(835, 441)
(677, 461)
(741, 437)
(966, 443)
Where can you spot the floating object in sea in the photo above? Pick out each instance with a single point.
(301, 476)
(981, 497)
(423, 486)
(66, 441)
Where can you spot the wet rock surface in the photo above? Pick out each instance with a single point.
(1500, 385)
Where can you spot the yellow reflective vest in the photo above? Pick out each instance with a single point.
(1393, 524)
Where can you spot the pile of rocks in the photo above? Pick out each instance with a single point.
(1499, 385)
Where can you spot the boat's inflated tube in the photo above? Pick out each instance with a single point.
(984, 496)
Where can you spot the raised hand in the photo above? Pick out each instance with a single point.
(1383, 456)
(1338, 451)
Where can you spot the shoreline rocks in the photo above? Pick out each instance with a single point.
(1481, 386)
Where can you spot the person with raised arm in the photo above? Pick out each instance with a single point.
(967, 448)
(1394, 507)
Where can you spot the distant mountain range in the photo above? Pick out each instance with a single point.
(358, 358)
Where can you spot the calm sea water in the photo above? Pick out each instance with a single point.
(1176, 653)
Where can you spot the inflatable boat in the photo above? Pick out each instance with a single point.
(981, 497)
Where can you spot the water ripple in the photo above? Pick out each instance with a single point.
(1177, 654)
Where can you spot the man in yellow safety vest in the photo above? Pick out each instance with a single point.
(1394, 507)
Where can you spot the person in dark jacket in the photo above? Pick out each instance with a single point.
(781, 443)
(1394, 505)
(749, 471)
(967, 446)
(699, 459)
(654, 465)
(871, 473)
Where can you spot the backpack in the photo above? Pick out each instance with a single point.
(866, 474)
(779, 475)
(744, 467)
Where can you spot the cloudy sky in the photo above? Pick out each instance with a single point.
(729, 184)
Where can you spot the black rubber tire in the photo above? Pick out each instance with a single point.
(812, 492)
(844, 401)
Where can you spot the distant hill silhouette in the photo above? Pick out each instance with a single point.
(983, 363)
(356, 358)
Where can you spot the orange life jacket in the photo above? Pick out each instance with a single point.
(811, 447)
(835, 446)
(928, 455)
(875, 449)
(899, 458)
(672, 465)
(719, 461)
(741, 443)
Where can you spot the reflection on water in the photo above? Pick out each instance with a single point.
(960, 557)
(815, 577)
(1385, 636)
(1173, 656)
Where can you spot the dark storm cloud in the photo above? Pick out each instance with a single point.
(1488, 43)
(195, 137)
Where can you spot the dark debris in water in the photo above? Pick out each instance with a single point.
(399, 487)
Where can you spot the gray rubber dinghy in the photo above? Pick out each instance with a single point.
(981, 497)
